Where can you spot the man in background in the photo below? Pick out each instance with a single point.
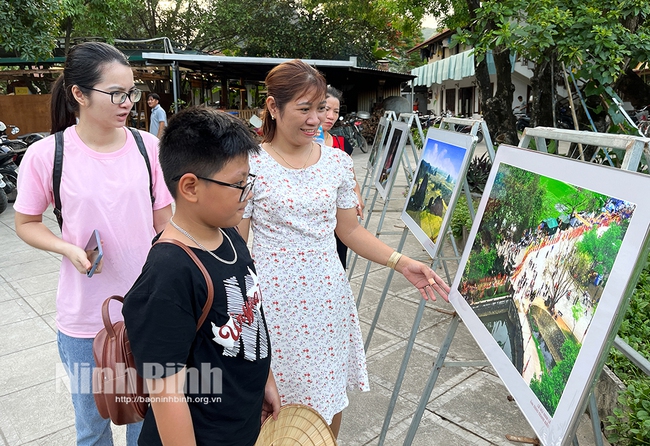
(158, 120)
(522, 107)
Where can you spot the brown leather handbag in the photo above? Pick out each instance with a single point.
(120, 393)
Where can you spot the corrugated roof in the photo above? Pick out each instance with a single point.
(433, 39)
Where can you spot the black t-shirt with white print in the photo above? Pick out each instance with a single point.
(227, 360)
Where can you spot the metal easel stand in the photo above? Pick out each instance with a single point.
(437, 259)
(443, 260)
(634, 146)
(433, 377)
(371, 169)
(450, 124)
(414, 330)
(378, 232)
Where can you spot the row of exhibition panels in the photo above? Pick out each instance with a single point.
(574, 279)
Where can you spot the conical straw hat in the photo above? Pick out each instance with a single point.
(297, 425)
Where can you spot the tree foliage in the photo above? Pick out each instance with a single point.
(29, 28)
(331, 29)
(598, 40)
(602, 249)
(514, 207)
(549, 386)
(630, 424)
(284, 28)
(93, 18)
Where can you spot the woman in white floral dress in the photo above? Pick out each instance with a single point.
(303, 193)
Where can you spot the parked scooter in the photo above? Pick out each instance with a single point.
(350, 126)
(4, 202)
(19, 145)
(564, 119)
(523, 121)
(9, 172)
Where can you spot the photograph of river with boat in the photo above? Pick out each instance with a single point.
(540, 260)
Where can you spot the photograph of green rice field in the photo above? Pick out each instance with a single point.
(435, 179)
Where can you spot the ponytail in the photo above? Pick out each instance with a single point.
(61, 115)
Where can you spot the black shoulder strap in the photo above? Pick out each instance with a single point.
(58, 169)
(143, 151)
(56, 176)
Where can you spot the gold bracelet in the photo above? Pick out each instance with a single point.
(393, 259)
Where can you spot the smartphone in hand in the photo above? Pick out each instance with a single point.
(94, 252)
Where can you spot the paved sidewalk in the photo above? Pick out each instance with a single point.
(468, 406)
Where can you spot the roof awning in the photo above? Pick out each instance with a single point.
(337, 72)
(457, 67)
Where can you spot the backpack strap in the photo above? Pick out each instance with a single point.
(143, 151)
(58, 169)
(206, 276)
(56, 176)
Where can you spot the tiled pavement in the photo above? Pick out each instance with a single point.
(468, 406)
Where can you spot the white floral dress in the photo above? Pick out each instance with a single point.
(317, 348)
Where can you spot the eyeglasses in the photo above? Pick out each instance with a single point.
(245, 190)
(119, 97)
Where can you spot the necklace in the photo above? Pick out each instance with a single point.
(187, 234)
(311, 149)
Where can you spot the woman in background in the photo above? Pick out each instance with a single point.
(332, 110)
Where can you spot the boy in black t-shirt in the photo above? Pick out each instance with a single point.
(214, 385)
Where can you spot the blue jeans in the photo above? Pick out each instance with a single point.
(92, 430)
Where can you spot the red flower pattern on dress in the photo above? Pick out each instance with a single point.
(317, 345)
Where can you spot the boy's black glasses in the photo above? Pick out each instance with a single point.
(119, 97)
(245, 190)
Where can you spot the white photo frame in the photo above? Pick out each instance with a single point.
(436, 185)
(381, 135)
(538, 271)
(390, 156)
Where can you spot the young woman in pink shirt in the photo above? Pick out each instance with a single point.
(105, 185)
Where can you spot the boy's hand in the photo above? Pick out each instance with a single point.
(271, 404)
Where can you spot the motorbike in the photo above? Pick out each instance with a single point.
(564, 119)
(4, 202)
(640, 115)
(523, 121)
(427, 121)
(19, 145)
(9, 172)
(350, 127)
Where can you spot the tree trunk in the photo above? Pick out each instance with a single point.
(497, 108)
(68, 34)
(543, 88)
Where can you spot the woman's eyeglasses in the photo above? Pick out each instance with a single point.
(119, 97)
(245, 190)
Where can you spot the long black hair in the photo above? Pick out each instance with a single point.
(83, 66)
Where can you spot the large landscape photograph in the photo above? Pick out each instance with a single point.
(440, 171)
(539, 263)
